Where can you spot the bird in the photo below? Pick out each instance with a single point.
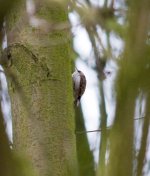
(79, 85)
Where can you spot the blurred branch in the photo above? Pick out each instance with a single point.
(104, 135)
(101, 44)
(105, 3)
(143, 148)
(139, 118)
(90, 131)
(112, 4)
(100, 130)
(100, 62)
(88, 2)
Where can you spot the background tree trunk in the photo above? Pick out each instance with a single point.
(85, 156)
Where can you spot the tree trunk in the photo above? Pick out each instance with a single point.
(85, 156)
(41, 90)
(132, 79)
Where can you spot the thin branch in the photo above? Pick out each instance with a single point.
(99, 130)
(139, 118)
(100, 42)
(90, 131)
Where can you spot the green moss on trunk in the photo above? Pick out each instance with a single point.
(41, 96)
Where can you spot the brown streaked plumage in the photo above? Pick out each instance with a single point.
(79, 85)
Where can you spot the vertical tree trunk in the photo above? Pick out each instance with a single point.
(85, 156)
(131, 80)
(41, 90)
(103, 127)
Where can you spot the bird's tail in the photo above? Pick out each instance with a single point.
(77, 102)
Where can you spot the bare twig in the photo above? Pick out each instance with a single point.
(139, 118)
(99, 130)
(90, 131)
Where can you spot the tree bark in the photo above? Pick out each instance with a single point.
(41, 90)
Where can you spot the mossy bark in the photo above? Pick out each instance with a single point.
(41, 92)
